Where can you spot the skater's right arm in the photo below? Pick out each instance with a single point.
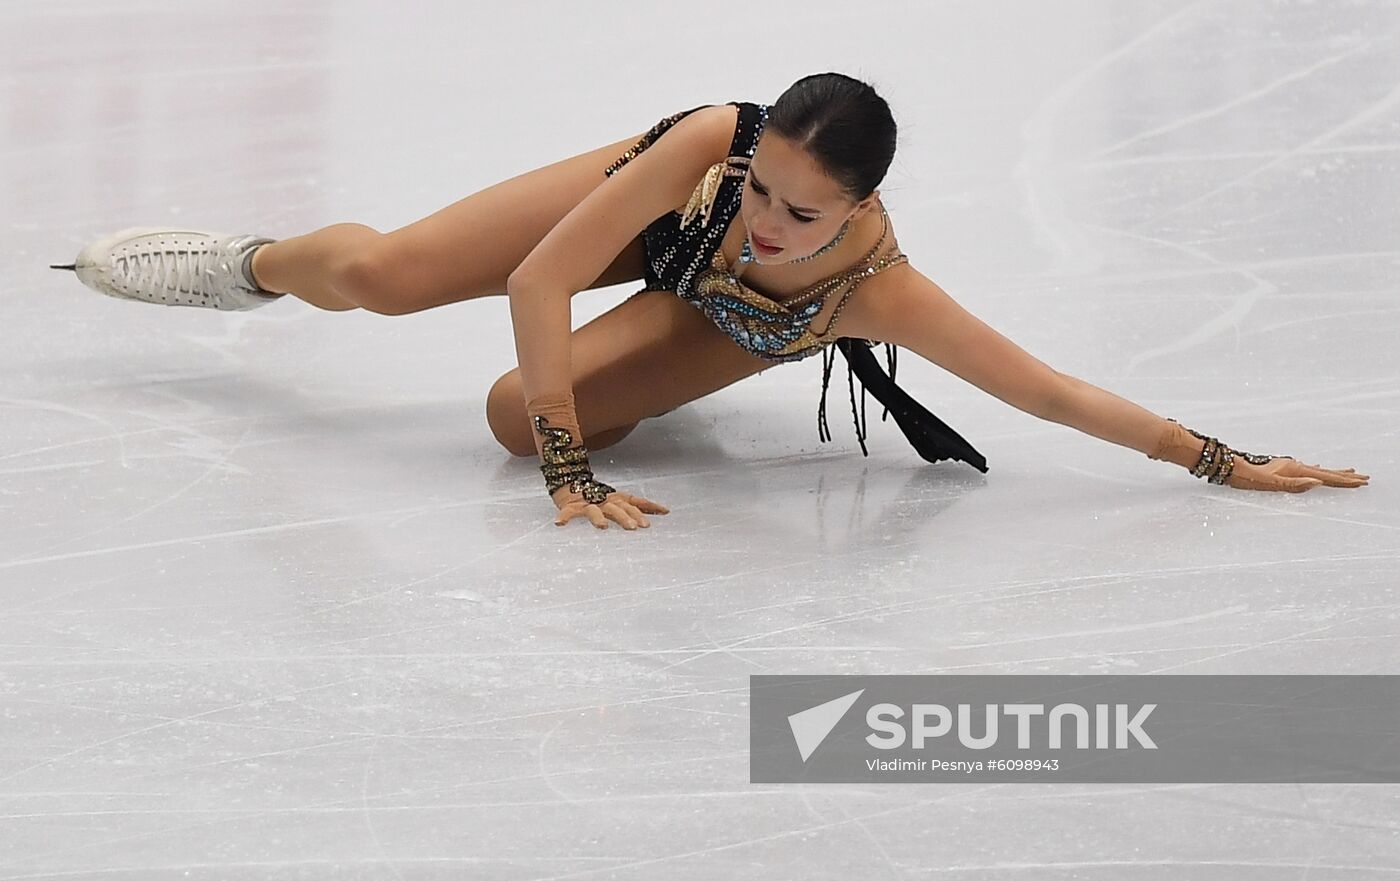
(585, 241)
(575, 253)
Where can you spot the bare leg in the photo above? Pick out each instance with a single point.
(607, 438)
(644, 357)
(465, 250)
(306, 266)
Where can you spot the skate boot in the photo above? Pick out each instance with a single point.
(173, 267)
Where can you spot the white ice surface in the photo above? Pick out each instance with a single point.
(273, 603)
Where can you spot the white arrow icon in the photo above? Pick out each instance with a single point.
(810, 727)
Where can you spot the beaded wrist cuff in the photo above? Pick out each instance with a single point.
(1217, 460)
(567, 465)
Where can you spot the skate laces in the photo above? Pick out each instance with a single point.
(196, 270)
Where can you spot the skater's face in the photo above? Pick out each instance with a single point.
(790, 202)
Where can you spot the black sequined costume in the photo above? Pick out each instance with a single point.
(684, 257)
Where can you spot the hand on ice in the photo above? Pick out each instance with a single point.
(622, 507)
(1286, 474)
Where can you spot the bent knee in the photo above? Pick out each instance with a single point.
(506, 416)
(510, 424)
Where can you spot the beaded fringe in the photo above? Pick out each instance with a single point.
(862, 431)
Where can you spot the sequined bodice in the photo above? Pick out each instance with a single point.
(675, 253)
(782, 331)
(683, 254)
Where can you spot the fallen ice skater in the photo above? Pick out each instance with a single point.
(722, 301)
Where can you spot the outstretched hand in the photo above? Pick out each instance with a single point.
(1286, 474)
(625, 508)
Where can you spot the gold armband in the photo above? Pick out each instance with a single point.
(565, 462)
(1216, 461)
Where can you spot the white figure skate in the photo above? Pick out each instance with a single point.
(172, 267)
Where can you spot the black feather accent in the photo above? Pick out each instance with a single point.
(932, 438)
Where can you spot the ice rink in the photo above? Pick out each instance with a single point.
(275, 604)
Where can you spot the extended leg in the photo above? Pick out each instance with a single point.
(310, 266)
(463, 251)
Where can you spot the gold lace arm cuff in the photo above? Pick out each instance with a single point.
(1202, 455)
(559, 442)
(557, 411)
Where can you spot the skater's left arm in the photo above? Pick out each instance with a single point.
(902, 307)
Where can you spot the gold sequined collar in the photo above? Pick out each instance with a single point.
(721, 274)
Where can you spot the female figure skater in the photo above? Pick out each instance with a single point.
(814, 252)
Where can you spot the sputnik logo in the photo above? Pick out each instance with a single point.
(811, 726)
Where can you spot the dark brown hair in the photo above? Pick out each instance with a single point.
(843, 123)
